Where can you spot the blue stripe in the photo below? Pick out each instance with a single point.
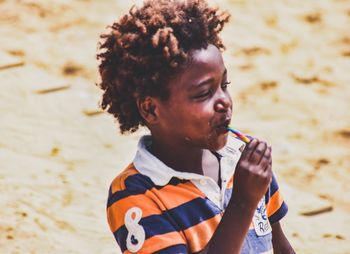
(176, 219)
(267, 196)
(120, 236)
(158, 224)
(279, 214)
(175, 249)
(193, 212)
(227, 198)
(137, 184)
(272, 189)
(273, 186)
(153, 225)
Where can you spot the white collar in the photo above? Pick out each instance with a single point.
(147, 164)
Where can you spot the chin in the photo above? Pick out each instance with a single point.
(218, 143)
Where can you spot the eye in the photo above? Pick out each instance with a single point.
(204, 94)
(225, 85)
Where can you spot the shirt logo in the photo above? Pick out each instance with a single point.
(260, 220)
(136, 234)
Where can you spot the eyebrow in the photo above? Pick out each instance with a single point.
(209, 80)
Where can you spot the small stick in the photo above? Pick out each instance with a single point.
(317, 211)
(239, 134)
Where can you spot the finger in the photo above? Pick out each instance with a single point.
(268, 173)
(258, 153)
(266, 158)
(249, 149)
(269, 165)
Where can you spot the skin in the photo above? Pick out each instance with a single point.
(279, 241)
(190, 124)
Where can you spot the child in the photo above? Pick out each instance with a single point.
(191, 187)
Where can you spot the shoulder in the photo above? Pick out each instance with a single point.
(129, 178)
(137, 218)
(129, 182)
(128, 190)
(118, 183)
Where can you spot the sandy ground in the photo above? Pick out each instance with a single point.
(289, 63)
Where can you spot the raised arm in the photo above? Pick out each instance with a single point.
(251, 180)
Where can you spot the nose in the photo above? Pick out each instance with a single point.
(223, 102)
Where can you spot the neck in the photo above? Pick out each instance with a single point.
(178, 156)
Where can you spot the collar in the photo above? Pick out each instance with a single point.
(147, 164)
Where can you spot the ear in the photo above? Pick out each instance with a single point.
(148, 108)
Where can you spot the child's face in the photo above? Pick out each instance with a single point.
(199, 107)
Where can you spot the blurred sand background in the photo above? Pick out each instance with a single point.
(289, 63)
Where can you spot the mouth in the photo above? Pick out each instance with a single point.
(222, 127)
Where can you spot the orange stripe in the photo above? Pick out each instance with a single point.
(152, 202)
(117, 211)
(118, 182)
(274, 203)
(159, 242)
(174, 195)
(201, 233)
(230, 183)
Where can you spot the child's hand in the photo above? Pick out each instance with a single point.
(253, 174)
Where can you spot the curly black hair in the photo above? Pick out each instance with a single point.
(147, 47)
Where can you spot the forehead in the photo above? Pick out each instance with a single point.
(210, 57)
(204, 64)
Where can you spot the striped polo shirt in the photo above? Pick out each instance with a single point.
(152, 208)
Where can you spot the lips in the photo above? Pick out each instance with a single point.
(222, 127)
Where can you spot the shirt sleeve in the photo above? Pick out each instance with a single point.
(275, 205)
(137, 221)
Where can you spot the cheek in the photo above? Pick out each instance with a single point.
(191, 116)
(201, 117)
